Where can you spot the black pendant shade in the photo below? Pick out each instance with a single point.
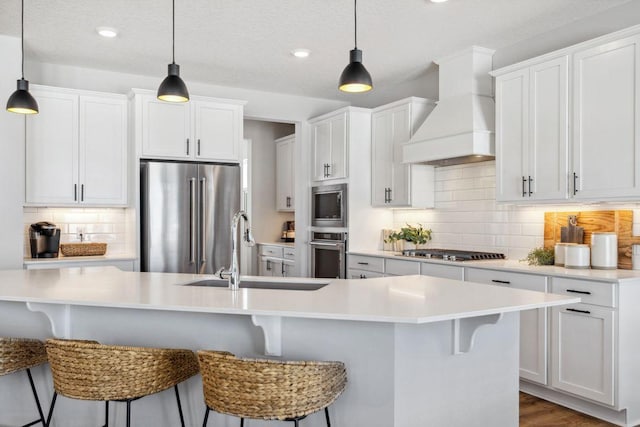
(355, 78)
(172, 88)
(21, 101)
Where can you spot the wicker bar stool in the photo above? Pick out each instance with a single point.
(269, 389)
(19, 354)
(87, 370)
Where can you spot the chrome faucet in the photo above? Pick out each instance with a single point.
(233, 273)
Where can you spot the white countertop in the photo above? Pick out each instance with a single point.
(405, 299)
(67, 259)
(620, 276)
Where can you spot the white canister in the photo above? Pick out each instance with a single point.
(635, 257)
(559, 252)
(577, 256)
(604, 250)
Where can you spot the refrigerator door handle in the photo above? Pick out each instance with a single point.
(192, 225)
(203, 222)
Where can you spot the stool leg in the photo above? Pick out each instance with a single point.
(241, 422)
(326, 414)
(53, 403)
(206, 417)
(35, 395)
(106, 413)
(175, 387)
(128, 413)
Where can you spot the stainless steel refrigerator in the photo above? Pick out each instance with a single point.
(186, 211)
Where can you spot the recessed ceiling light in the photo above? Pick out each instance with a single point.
(301, 53)
(107, 32)
(438, 1)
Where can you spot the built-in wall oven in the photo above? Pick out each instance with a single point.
(328, 254)
(329, 206)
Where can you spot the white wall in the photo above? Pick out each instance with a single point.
(466, 215)
(11, 158)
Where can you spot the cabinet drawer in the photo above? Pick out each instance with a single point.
(362, 274)
(366, 263)
(400, 267)
(440, 270)
(271, 251)
(515, 280)
(289, 253)
(598, 293)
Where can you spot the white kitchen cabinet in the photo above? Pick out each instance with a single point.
(276, 261)
(532, 132)
(285, 173)
(533, 323)
(76, 149)
(202, 129)
(270, 267)
(442, 270)
(329, 146)
(606, 114)
(393, 183)
(354, 273)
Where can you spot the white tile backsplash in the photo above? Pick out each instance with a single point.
(466, 215)
(107, 225)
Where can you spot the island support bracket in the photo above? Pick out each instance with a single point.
(464, 331)
(272, 330)
(59, 316)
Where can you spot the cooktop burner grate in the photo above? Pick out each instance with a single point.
(452, 254)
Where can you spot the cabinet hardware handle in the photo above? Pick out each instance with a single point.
(198, 147)
(579, 311)
(524, 181)
(575, 183)
(363, 263)
(187, 146)
(362, 276)
(530, 192)
(82, 193)
(328, 170)
(506, 282)
(578, 292)
(75, 192)
(268, 265)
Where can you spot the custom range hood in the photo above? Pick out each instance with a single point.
(461, 127)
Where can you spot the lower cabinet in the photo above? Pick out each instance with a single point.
(277, 261)
(270, 267)
(364, 267)
(533, 323)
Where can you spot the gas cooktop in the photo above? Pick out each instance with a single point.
(451, 254)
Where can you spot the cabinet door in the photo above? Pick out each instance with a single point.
(217, 131)
(321, 136)
(338, 156)
(512, 135)
(382, 157)
(401, 133)
(583, 351)
(52, 149)
(166, 129)
(103, 150)
(546, 156)
(288, 269)
(533, 323)
(284, 175)
(606, 155)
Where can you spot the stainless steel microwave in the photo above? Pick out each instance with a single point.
(329, 206)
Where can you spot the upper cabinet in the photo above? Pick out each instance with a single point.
(76, 149)
(550, 149)
(202, 129)
(329, 146)
(393, 183)
(285, 173)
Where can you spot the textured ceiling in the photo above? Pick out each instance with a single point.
(247, 43)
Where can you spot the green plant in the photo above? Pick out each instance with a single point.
(540, 256)
(418, 235)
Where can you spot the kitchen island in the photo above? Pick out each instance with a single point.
(419, 350)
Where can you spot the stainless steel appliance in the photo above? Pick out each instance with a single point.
(328, 254)
(44, 239)
(329, 206)
(186, 212)
(452, 254)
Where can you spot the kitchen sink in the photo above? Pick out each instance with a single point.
(253, 284)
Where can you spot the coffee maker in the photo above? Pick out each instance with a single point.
(44, 238)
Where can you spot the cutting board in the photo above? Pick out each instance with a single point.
(621, 222)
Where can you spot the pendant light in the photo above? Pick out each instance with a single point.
(172, 88)
(355, 78)
(21, 100)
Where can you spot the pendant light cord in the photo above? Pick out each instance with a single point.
(355, 22)
(22, 38)
(173, 31)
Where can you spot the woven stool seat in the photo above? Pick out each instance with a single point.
(18, 354)
(269, 389)
(88, 370)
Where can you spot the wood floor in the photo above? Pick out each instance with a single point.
(536, 412)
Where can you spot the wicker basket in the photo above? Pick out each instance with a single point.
(83, 249)
(17, 354)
